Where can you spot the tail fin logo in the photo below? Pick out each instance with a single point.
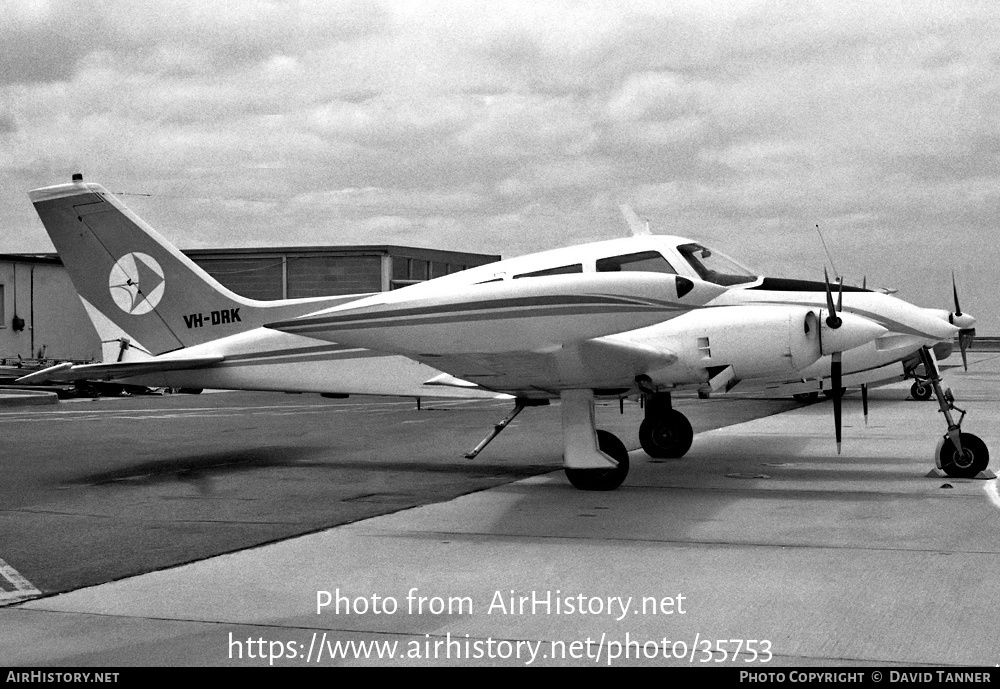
(136, 283)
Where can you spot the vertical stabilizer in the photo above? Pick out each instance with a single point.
(141, 286)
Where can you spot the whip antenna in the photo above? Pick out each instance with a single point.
(827, 250)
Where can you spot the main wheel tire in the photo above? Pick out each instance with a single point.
(668, 436)
(973, 458)
(806, 397)
(603, 479)
(920, 391)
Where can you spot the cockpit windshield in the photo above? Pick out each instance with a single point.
(712, 266)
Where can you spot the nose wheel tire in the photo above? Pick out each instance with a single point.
(973, 458)
(667, 436)
(603, 479)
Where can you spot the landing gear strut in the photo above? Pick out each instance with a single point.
(922, 389)
(960, 455)
(664, 433)
(602, 479)
(592, 459)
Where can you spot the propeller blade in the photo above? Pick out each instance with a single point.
(831, 320)
(954, 291)
(840, 296)
(965, 335)
(836, 376)
(864, 401)
(864, 282)
(965, 338)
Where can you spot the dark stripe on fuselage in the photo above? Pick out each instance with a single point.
(890, 324)
(580, 301)
(788, 285)
(586, 310)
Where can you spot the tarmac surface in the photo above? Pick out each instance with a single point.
(761, 534)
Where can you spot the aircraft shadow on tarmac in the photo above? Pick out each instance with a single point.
(203, 466)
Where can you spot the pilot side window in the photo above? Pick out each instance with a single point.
(645, 261)
(561, 270)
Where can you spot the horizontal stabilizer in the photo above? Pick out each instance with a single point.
(126, 369)
(450, 381)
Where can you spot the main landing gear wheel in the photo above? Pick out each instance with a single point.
(666, 436)
(603, 479)
(920, 391)
(973, 458)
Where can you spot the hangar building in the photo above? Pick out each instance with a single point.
(41, 316)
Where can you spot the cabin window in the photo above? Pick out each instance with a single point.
(561, 270)
(645, 262)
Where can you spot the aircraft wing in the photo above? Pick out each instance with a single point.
(68, 371)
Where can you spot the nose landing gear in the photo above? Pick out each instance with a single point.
(958, 454)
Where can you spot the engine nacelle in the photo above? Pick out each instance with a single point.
(758, 341)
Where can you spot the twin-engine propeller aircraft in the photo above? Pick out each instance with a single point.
(636, 317)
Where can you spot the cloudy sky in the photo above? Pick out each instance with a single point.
(508, 127)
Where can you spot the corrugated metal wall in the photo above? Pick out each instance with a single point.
(320, 276)
(254, 278)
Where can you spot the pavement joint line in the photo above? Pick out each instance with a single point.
(783, 491)
(142, 520)
(240, 623)
(668, 541)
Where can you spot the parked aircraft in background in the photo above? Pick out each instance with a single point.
(640, 316)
